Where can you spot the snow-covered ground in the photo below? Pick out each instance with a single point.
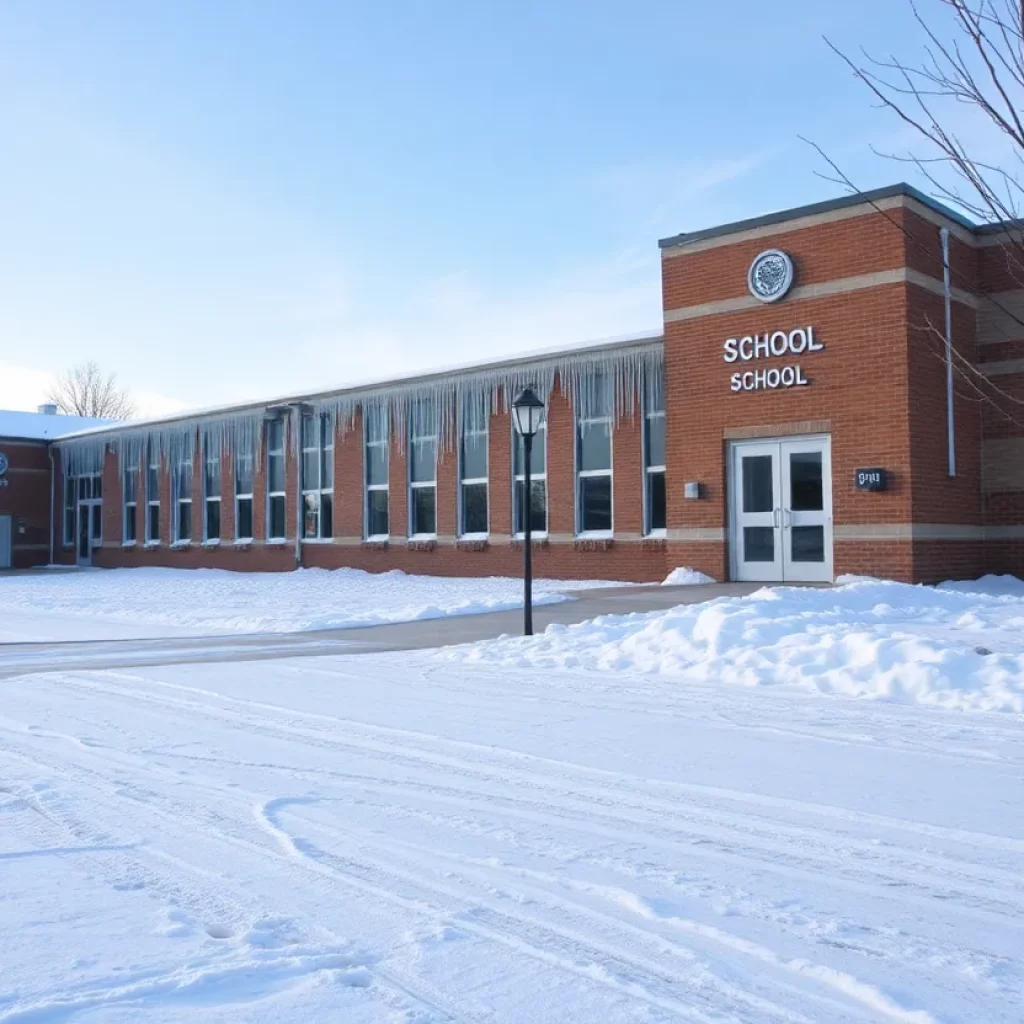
(132, 603)
(960, 645)
(526, 837)
(385, 838)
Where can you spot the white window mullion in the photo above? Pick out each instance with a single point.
(243, 462)
(538, 483)
(594, 476)
(423, 472)
(276, 514)
(376, 443)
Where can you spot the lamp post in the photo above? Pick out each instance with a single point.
(528, 413)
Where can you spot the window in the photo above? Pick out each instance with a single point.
(275, 480)
(181, 487)
(317, 477)
(70, 484)
(211, 492)
(88, 488)
(654, 455)
(423, 470)
(130, 491)
(153, 495)
(473, 469)
(243, 493)
(375, 459)
(538, 483)
(594, 461)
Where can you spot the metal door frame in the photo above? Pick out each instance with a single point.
(784, 518)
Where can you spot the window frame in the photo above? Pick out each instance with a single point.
(464, 481)
(274, 452)
(324, 455)
(133, 504)
(420, 485)
(248, 455)
(177, 501)
(586, 474)
(384, 443)
(517, 532)
(70, 510)
(212, 456)
(652, 470)
(153, 470)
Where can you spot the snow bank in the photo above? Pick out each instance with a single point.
(959, 645)
(176, 602)
(685, 577)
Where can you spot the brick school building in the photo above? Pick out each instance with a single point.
(836, 389)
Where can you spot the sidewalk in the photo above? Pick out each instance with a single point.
(16, 659)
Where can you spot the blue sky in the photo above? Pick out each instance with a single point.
(230, 200)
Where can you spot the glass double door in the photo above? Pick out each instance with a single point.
(781, 522)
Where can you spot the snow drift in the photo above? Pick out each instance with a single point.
(959, 645)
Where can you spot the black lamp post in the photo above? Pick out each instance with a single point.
(528, 413)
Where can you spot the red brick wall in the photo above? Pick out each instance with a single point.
(878, 388)
(25, 497)
(628, 558)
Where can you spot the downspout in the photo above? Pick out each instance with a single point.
(950, 428)
(53, 476)
(298, 408)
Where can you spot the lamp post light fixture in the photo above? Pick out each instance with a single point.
(528, 414)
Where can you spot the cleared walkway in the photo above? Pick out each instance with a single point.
(18, 658)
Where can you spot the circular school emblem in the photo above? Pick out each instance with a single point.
(770, 275)
(3, 464)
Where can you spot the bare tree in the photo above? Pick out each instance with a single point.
(85, 390)
(969, 76)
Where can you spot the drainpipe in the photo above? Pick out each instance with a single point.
(52, 498)
(950, 435)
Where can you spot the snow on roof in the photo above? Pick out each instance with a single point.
(36, 426)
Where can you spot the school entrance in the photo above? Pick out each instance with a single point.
(780, 523)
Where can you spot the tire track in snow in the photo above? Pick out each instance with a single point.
(605, 776)
(412, 756)
(842, 983)
(921, 871)
(142, 874)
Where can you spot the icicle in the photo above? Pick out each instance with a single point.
(609, 378)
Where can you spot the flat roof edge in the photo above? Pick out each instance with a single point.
(812, 209)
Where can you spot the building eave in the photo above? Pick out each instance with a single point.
(815, 209)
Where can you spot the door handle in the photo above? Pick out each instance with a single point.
(787, 521)
(775, 518)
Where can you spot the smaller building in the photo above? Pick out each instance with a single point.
(27, 482)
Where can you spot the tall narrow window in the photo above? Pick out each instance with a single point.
(70, 484)
(594, 460)
(130, 491)
(181, 484)
(423, 469)
(538, 483)
(375, 459)
(211, 492)
(654, 455)
(317, 477)
(275, 480)
(473, 468)
(153, 495)
(243, 491)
